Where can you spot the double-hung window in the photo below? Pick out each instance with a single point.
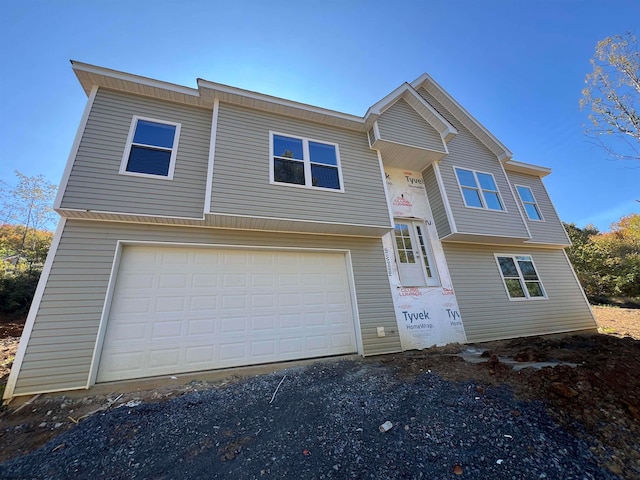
(151, 149)
(479, 190)
(304, 162)
(520, 277)
(529, 202)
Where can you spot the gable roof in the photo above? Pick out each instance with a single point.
(419, 104)
(464, 117)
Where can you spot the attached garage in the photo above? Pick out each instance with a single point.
(184, 309)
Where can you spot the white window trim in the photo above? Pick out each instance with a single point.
(535, 202)
(520, 276)
(307, 163)
(480, 189)
(129, 144)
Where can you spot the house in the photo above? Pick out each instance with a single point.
(212, 227)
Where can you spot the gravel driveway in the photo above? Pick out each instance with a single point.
(322, 423)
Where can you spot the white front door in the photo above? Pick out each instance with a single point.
(415, 263)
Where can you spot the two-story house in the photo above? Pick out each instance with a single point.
(212, 227)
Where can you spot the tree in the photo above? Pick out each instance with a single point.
(29, 204)
(612, 95)
(607, 264)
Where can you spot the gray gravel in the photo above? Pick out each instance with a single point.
(323, 424)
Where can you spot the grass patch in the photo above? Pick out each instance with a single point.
(606, 330)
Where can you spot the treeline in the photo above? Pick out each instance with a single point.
(22, 254)
(607, 263)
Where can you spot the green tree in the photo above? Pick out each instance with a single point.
(585, 257)
(19, 272)
(612, 95)
(607, 264)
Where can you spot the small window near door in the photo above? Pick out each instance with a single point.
(425, 252)
(404, 244)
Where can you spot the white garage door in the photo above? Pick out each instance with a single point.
(183, 310)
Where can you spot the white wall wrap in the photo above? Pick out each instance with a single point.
(426, 316)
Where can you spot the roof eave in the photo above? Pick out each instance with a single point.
(491, 142)
(527, 168)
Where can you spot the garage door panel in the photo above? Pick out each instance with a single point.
(159, 360)
(178, 310)
(199, 327)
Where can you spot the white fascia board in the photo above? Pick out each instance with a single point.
(495, 145)
(446, 130)
(527, 168)
(33, 312)
(212, 150)
(128, 77)
(269, 99)
(381, 105)
(74, 149)
(413, 98)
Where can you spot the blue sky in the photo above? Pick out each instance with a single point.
(517, 66)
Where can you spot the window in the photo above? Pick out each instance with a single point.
(151, 148)
(304, 162)
(529, 203)
(520, 277)
(479, 190)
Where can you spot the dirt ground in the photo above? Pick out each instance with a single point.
(597, 400)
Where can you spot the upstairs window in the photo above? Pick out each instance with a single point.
(479, 190)
(529, 202)
(520, 277)
(304, 162)
(151, 148)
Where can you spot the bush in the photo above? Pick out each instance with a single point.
(17, 287)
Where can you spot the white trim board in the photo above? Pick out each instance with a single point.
(33, 311)
(74, 148)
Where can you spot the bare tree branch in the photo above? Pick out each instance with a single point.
(612, 96)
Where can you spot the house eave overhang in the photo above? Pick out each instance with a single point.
(526, 168)
(211, 90)
(204, 96)
(463, 116)
(91, 75)
(236, 222)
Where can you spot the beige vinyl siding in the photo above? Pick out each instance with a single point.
(466, 151)
(94, 182)
(435, 202)
(61, 345)
(487, 312)
(402, 124)
(550, 230)
(241, 172)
